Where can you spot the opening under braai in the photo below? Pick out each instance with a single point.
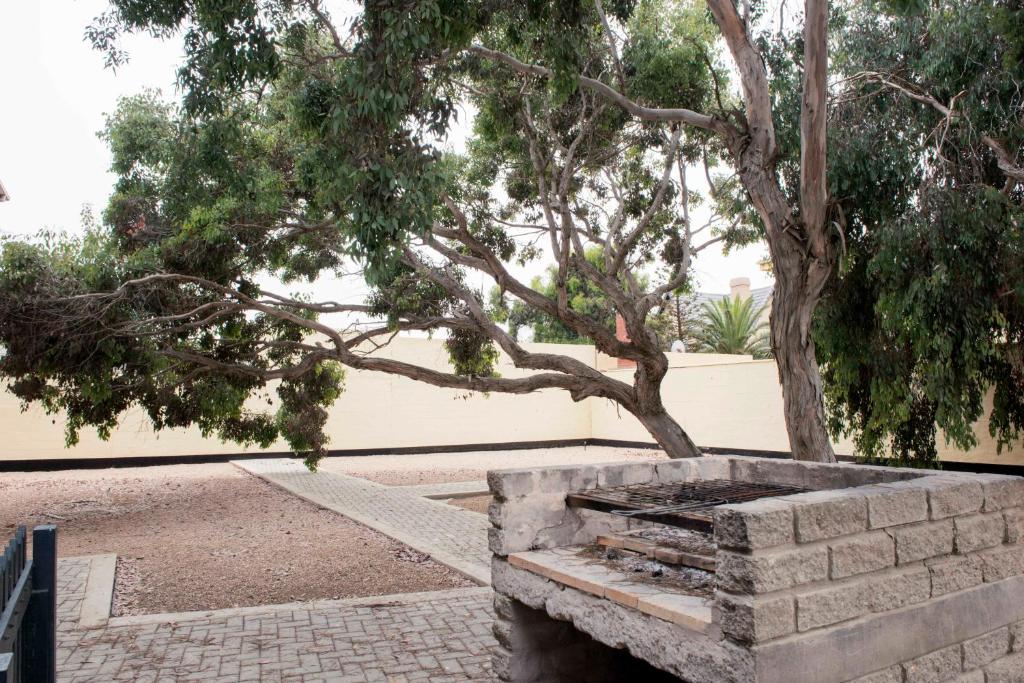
(688, 505)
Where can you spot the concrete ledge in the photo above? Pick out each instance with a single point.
(449, 490)
(99, 592)
(871, 643)
(565, 567)
(368, 601)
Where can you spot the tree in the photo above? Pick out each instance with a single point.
(927, 313)
(733, 325)
(583, 297)
(297, 149)
(303, 142)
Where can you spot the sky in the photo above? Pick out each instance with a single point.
(55, 92)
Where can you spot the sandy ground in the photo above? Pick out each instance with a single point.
(196, 537)
(474, 503)
(193, 537)
(436, 468)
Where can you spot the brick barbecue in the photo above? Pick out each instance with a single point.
(730, 569)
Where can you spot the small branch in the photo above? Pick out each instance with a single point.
(686, 116)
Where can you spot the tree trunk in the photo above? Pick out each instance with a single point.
(803, 401)
(669, 435)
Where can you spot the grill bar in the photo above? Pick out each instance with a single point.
(688, 505)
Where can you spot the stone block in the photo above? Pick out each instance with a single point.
(934, 667)
(827, 514)
(756, 618)
(950, 574)
(894, 504)
(920, 541)
(861, 553)
(1002, 563)
(894, 674)
(1001, 491)
(495, 512)
(502, 631)
(625, 473)
(1014, 518)
(502, 606)
(948, 497)
(509, 484)
(496, 542)
(682, 469)
(562, 479)
(977, 532)
(517, 524)
(712, 467)
(527, 588)
(831, 604)
(758, 524)
(976, 676)
(1009, 669)
(899, 588)
(742, 468)
(768, 571)
(501, 663)
(986, 649)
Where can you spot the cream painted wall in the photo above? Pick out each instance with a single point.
(722, 401)
(732, 405)
(375, 411)
(739, 405)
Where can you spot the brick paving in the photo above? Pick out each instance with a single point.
(442, 636)
(451, 535)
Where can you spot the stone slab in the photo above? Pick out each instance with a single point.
(564, 568)
(99, 591)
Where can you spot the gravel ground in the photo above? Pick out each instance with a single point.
(436, 468)
(197, 537)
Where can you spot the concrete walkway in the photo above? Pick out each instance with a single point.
(439, 636)
(450, 535)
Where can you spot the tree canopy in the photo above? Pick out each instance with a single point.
(926, 314)
(305, 143)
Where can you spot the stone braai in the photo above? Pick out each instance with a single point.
(833, 573)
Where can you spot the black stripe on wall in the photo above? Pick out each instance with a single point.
(53, 464)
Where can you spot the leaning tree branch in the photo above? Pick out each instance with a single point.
(753, 77)
(687, 116)
(1004, 160)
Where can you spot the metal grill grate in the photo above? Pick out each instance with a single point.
(683, 504)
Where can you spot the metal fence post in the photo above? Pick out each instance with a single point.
(41, 631)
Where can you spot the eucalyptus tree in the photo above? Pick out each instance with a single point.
(926, 315)
(305, 141)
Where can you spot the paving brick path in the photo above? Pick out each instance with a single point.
(442, 636)
(451, 535)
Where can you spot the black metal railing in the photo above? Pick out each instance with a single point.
(28, 608)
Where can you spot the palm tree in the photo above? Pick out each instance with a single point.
(733, 325)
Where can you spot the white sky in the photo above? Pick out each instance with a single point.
(54, 92)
